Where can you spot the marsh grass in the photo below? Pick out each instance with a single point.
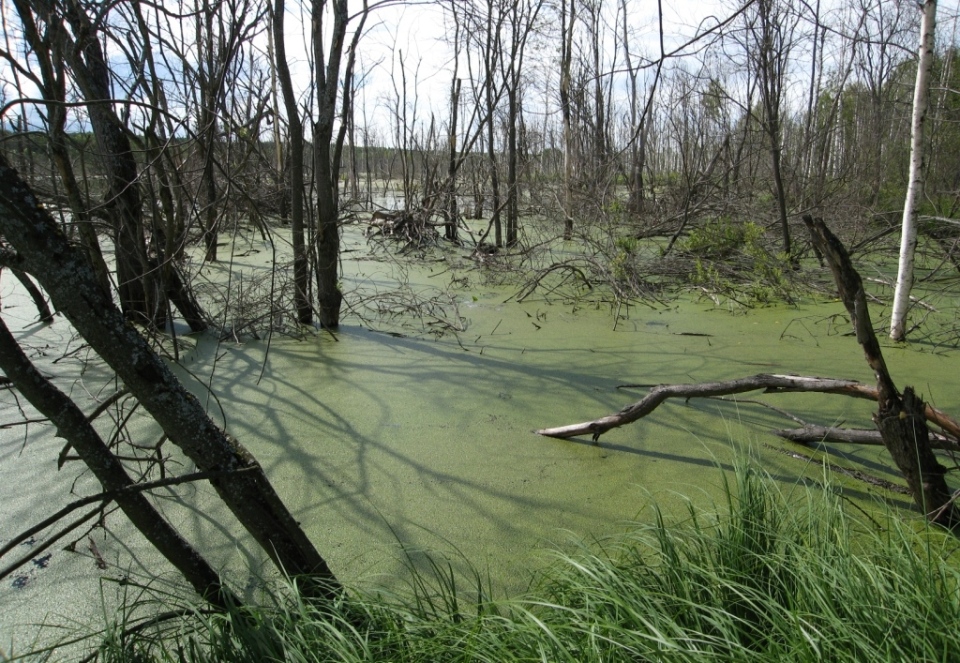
(772, 576)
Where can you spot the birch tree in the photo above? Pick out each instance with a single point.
(908, 233)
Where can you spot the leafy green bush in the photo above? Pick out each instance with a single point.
(731, 259)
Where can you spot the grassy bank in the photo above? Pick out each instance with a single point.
(773, 577)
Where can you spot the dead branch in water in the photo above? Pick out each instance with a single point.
(767, 382)
(901, 418)
(813, 434)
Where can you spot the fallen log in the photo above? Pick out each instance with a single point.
(769, 383)
(813, 434)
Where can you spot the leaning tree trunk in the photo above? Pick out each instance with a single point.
(43, 251)
(73, 426)
(900, 419)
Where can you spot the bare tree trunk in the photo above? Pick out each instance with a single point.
(208, 82)
(567, 19)
(771, 60)
(522, 18)
(453, 212)
(329, 149)
(301, 276)
(140, 296)
(492, 53)
(47, 52)
(908, 233)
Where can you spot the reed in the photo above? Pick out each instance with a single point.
(767, 576)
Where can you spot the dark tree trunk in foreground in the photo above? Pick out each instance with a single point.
(900, 418)
(73, 426)
(43, 251)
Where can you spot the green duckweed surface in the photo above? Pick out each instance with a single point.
(376, 440)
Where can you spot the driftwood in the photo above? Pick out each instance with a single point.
(769, 383)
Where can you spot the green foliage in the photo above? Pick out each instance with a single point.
(721, 237)
(623, 265)
(616, 206)
(773, 578)
(731, 258)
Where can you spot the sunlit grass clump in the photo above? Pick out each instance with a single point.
(776, 578)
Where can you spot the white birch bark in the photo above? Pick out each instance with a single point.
(908, 233)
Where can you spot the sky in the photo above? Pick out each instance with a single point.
(415, 37)
(418, 38)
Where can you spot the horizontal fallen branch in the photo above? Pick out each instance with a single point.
(812, 434)
(767, 382)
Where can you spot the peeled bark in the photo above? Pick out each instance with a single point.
(43, 251)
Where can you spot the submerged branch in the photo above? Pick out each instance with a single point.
(812, 434)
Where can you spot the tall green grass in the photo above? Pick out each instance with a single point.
(771, 577)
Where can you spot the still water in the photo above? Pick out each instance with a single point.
(388, 436)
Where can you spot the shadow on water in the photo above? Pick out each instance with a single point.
(376, 437)
(375, 440)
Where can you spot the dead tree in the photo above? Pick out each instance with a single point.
(900, 417)
(41, 249)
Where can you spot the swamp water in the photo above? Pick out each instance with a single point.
(377, 441)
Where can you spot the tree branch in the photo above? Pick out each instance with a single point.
(769, 383)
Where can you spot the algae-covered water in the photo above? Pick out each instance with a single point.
(411, 439)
